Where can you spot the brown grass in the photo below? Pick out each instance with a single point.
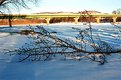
(22, 21)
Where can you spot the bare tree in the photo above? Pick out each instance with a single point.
(8, 5)
(118, 11)
(47, 46)
(114, 12)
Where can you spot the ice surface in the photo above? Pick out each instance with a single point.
(56, 69)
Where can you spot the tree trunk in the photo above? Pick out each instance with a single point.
(9, 21)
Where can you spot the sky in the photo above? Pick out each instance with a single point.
(105, 6)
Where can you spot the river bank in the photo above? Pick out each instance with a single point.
(62, 23)
(21, 22)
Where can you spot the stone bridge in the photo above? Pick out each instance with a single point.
(76, 16)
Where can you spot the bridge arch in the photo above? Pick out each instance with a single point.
(106, 19)
(118, 19)
(61, 19)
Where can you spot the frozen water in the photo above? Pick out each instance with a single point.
(56, 69)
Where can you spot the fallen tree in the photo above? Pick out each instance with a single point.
(47, 45)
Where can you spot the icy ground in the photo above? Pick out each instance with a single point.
(57, 69)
